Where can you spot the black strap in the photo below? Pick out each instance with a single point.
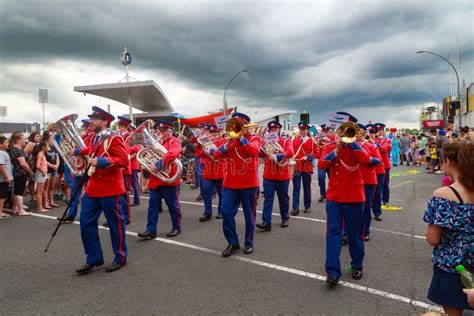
(457, 194)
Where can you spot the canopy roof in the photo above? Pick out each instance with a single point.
(145, 95)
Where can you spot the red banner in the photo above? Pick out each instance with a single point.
(433, 123)
(206, 119)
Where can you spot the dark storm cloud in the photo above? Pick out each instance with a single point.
(349, 54)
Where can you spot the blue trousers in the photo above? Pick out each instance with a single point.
(171, 196)
(198, 173)
(91, 209)
(369, 190)
(126, 198)
(322, 181)
(306, 176)
(386, 187)
(231, 199)
(377, 204)
(281, 188)
(136, 187)
(76, 187)
(353, 213)
(208, 187)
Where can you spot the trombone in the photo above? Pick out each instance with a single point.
(235, 128)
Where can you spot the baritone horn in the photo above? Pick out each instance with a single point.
(235, 128)
(70, 140)
(154, 151)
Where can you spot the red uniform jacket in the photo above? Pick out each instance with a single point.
(198, 151)
(309, 149)
(368, 170)
(87, 137)
(272, 170)
(127, 170)
(173, 145)
(112, 157)
(241, 163)
(385, 147)
(213, 168)
(345, 181)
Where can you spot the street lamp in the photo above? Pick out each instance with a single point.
(225, 91)
(457, 79)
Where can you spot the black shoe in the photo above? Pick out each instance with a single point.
(357, 274)
(105, 224)
(321, 198)
(115, 266)
(86, 268)
(199, 198)
(68, 219)
(307, 210)
(332, 281)
(366, 237)
(147, 235)
(248, 250)
(230, 250)
(127, 223)
(378, 218)
(214, 196)
(205, 218)
(345, 240)
(219, 216)
(295, 212)
(135, 204)
(265, 227)
(284, 223)
(160, 210)
(173, 232)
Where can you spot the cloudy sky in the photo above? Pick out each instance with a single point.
(355, 56)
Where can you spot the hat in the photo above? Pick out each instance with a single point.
(124, 120)
(213, 128)
(361, 126)
(303, 125)
(324, 127)
(101, 114)
(442, 132)
(371, 128)
(379, 126)
(86, 122)
(241, 116)
(274, 124)
(351, 117)
(163, 124)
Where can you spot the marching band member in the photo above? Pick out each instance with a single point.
(276, 177)
(87, 136)
(321, 172)
(197, 161)
(380, 174)
(108, 156)
(212, 176)
(160, 190)
(240, 185)
(305, 152)
(385, 146)
(345, 199)
(123, 126)
(134, 149)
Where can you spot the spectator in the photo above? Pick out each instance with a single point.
(405, 149)
(423, 143)
(21, 171)
(450, 218)
(41, 173)
(434, 157)
(53, 164)
(395, 150)
(6, 176)
(442, 138)
(188, 150)
(33, 140)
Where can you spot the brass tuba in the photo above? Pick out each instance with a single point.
(154, 151)
(70, 140)
(235, 128)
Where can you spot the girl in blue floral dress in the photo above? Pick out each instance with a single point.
(450, 218)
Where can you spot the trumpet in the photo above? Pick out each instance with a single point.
(322, 140)
(235, 128)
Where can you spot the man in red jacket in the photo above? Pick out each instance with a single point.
(385, 145)
(276, 177)
(212, 175)
(305, 152)
(107, 157)
(345, 199)
(160, 190)
(240, 185)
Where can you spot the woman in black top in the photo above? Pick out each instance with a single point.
(21, 171)
(53, 164)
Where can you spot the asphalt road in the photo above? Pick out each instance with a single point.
(187, 275)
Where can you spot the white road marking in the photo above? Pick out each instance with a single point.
(310, 275)
(313, 220)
